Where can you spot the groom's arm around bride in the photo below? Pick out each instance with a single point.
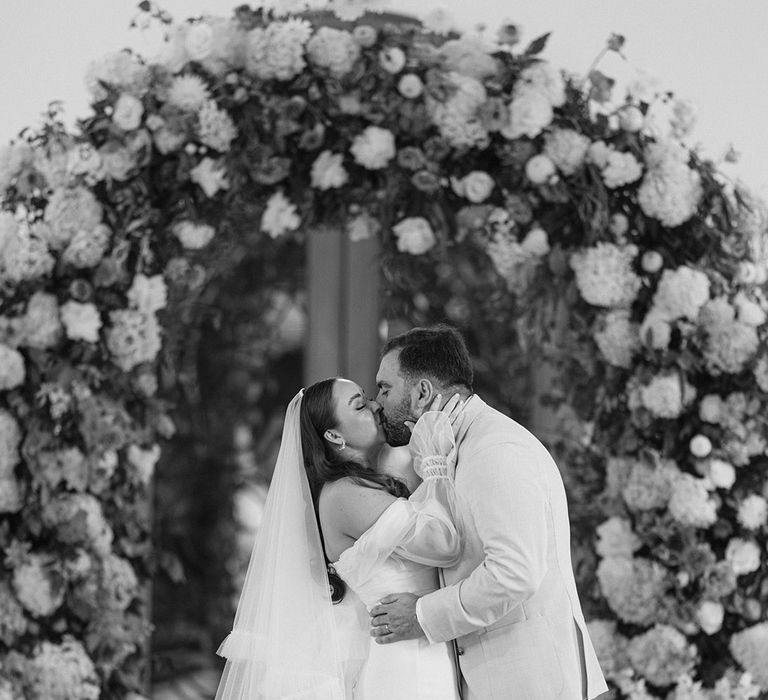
(511, 602)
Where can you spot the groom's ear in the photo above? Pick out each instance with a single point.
(425, 392)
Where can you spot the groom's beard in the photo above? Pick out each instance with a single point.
(396, 432)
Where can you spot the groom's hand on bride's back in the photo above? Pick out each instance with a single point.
(394, 619)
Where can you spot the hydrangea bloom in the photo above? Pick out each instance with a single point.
(604, 274)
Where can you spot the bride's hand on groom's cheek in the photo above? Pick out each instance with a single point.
(394, 619)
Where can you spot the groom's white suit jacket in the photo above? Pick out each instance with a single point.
(511, 602)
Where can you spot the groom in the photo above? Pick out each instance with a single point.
(510, 603)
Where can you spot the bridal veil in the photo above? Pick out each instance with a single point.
(284, 643)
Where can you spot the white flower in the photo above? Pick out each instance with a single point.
(10, 437)
(749, 311)
(121, 70)
(721, 473)
(670, 191)
(652, 261)
(148, 294)
(529, 113)
(392, 59)
(604, 274)
(328, 171)
(144, 461)
(410, 86)
(87, 248)
(617, 338)
(598, 153)
(414, 235)
(127, 112)
(62, 672)
(42, 326)
(134, 337)
(743, 556)
(457, 117)
(476, 186)
(334, 49)
(729, 343)
(536, 242)
(621, 169)
(351, 10)
(188, 93)
(661, 655)
(173, 53)
(710, 616)
(81, 321)
(683, 118)
(199, 41)
(11, 501)
(215, 127)
(655, 330)
(665, 395)
(631, 119)
(761, 373)
(700, 446)
(681, 293)
(750, 648)
(374, 148)
(193, 236)
(634, 588)
(12, 370)
(690, 503)
(210, 175)
(280, 216)
(648, 486)
(615, 538)
(753, 512)
(540, 169)
(544, 78)
(567, 149)
(25, 256)
(35, 589)
(68, 211)
(711, 408)
(277, 51)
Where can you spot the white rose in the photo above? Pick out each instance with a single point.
(753, 512)
(328, 171)
(540, 169)
(748, 311)
(700, 446)
(476, 186)
(631, 119)
(652, 261)
(148, 294)
(374, 148)
(711, 408)
(410, 86)
(280, 216)
(392, 59)
(721, 473)
(199, 41)
(127, 113)
(598, 153)
(536, 242)
(414, 235)
(193, 236)
(710, 616)
(210, 175)
(81, 321)
(743, 556)
(12, 370)
(144, 461)
(681, 293)
(529, 113)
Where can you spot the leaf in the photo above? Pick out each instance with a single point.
(537, 45)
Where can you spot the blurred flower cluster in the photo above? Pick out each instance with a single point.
(543, 210)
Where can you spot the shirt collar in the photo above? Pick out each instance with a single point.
(473, 407)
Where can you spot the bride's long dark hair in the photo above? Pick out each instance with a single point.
(324, 464)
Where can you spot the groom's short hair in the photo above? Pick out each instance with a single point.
(438, 352)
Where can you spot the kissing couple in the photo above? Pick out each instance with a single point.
(415, 547)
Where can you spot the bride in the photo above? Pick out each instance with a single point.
(301, 628)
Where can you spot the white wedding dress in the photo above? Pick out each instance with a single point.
(399, 554)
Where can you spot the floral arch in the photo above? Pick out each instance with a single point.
(553, 221)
